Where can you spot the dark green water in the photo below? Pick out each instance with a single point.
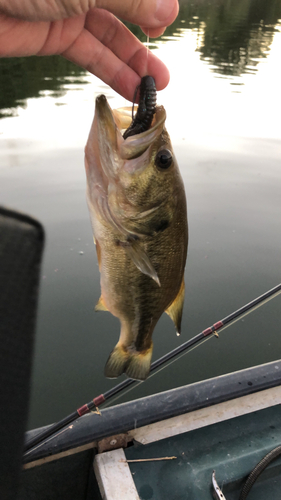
(223, 107)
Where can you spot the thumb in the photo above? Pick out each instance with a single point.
(148, 13)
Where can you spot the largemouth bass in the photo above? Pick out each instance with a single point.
(137, 207)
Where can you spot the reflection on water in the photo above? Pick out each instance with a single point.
(235, 34)
(223, 107)
(24, 77)
(232, 37)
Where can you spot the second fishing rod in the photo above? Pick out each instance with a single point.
(171, 356)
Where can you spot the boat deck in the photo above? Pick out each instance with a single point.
(232, 448)
(227, 424)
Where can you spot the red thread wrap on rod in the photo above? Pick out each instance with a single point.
(99, 400)
(218, 325)
(207, 332)
(84, 409)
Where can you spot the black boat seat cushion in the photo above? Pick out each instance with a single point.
(21, 246)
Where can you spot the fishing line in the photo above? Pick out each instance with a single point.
(108, 403)
(251, 310)
(49, 439)
(138, 86)
(147, 44)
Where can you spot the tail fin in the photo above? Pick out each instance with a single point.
(135, 364)
(117, 362)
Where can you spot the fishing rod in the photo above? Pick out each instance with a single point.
(97, 401)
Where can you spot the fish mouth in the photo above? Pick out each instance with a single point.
(110, 160)
(112, 123)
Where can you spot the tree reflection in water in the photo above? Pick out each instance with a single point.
(24, 77)
(234, 36)
(236, 33)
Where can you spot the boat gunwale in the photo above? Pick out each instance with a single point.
(125, 417)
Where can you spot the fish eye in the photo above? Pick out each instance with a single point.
(164, 159)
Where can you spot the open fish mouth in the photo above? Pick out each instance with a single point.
(113, 123)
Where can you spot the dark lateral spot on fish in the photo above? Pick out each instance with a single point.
(142, 342)
(250, 383)
(163, 224)
(132, 237)
(122, 243)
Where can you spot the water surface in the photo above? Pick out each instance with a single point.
(223, 108)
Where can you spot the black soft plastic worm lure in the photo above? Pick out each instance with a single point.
(146, 109)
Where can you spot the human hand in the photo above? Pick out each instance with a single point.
(88, 34)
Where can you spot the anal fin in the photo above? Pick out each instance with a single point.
(101, 305)
(176, 308)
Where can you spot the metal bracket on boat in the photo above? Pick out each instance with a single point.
(114, 442)
(217, 491)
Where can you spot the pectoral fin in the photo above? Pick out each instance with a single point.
(141, 260)
(175, 309)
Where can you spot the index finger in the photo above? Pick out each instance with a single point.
(110, 51)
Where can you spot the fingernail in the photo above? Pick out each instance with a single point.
(164, 9)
